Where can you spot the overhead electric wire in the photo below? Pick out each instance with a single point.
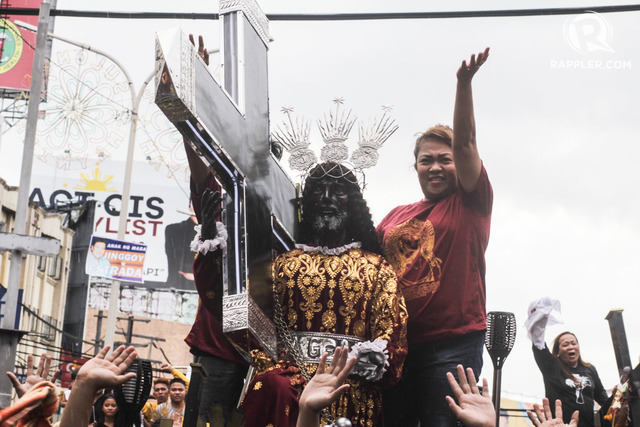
(31, 312)
(31, 340)
(161, 351)
(331, 16)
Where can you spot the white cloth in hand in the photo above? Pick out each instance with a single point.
(542, 312)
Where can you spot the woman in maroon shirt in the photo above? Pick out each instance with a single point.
(437, 246)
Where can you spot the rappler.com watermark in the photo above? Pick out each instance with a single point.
(589, 34)
(589, 64)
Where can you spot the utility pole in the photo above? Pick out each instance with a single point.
(1, 127)
(98, 345)
(9, 335)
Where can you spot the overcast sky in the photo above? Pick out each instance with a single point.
(557, 107)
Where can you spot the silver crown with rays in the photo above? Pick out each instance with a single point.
(293, 135)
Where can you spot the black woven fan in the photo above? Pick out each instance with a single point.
(500, 337)
(132, 395)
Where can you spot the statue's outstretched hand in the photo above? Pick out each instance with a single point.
(202, 51)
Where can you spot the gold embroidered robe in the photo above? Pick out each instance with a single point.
(353, 293)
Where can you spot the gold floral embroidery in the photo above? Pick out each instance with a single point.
(351, 285)
(362, 403)
(290, 267)
(332, 266)
(293, 314)
(349, 289)
(262, 361)
(257, 386)
(311, 284)
(329, 321)
(359, 329)
(287, 410)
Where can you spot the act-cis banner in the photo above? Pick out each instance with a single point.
(115, 259)
(157, 210)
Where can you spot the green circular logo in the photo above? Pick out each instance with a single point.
(11, 45)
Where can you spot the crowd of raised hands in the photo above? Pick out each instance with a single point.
(103, 371)
(472, 404)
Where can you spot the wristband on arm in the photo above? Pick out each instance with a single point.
(210, 245)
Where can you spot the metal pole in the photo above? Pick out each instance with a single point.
(129, 336)
(497, 382)
(7, 361)
(124, 209)
(96, 350)
(1, 127)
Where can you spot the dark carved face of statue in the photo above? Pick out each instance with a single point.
(329, 206)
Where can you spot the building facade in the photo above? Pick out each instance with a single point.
(43, 283)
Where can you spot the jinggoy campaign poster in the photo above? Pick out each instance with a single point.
(116, 259)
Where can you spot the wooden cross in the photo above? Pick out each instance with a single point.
(229, 123)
